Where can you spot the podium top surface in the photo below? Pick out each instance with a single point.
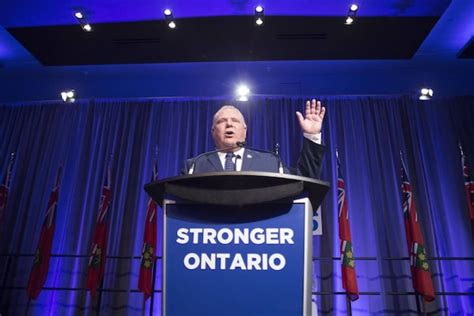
(237, 188)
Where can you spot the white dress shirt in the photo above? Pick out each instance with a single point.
(237, 159)
(239, 154)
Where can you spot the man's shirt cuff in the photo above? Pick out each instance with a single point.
(315, 138)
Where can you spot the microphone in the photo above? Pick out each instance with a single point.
(193, 164)
(280, 163)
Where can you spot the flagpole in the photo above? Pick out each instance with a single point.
(28, 306)
(466, 176)
(109, 183)
(99, 300)
(348, 305)
(152, 302)
(348, 301)
(153, 287)
(5, 276)
(143, 305)
(7, 179)
(418, 308)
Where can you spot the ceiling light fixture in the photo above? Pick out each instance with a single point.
(351, 14)
(169, 18)
(81, 18)
(259, 15)
(242, 93)
(68, 96)
(426, 94)
(87, 27)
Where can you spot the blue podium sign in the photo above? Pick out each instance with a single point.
(231, 260)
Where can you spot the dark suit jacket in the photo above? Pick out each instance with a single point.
(309, 162)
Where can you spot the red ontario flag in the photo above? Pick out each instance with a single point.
(420, 272)
(469, 187)
(39, 271)
(349, 279)
(96, 267)
(145, 281)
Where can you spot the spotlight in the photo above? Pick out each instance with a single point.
(259, 15)
(68, 96)
(352, 14)
(169, 18)
(243, 98)
(426, 94)
(243, 90)
(87, 27)
(80, 17)
(242, 93)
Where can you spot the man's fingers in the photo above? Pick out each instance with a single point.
(323, 111)
(314, 107)
(300, 117)
(318, 107)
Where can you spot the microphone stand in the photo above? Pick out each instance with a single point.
(193, 164)
(280, 163)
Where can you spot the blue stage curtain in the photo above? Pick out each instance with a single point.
(369, 133)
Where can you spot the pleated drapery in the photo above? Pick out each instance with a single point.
(369, 133)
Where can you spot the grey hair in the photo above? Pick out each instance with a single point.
(224, 107)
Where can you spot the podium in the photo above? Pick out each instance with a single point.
(237, 243)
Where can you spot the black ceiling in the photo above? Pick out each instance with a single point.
(230, 38)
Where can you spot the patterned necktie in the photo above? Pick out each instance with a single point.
(229, 164)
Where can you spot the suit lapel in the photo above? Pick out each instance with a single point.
(215, 162)
(247, 160)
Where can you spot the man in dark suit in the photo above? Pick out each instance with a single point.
(229, 129)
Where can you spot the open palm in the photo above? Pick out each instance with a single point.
(312, 123)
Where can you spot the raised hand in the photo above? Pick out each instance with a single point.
(312, 123)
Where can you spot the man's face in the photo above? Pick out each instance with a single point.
(228, 128)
